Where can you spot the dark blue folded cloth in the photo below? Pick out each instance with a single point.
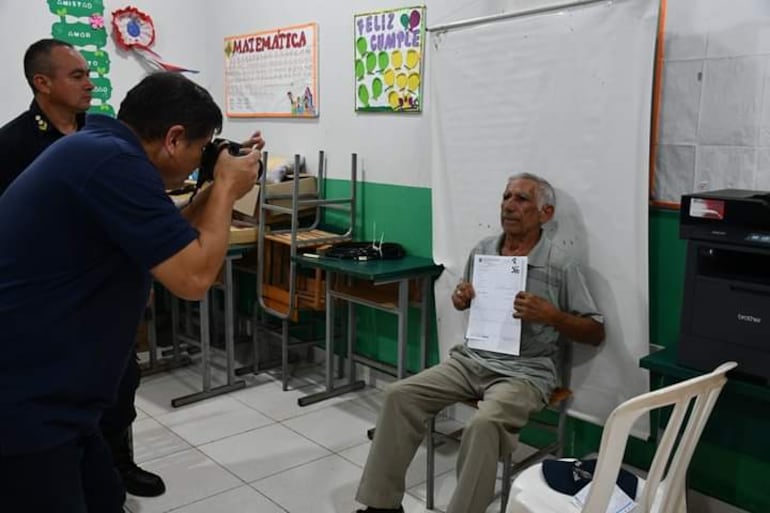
(571, 476)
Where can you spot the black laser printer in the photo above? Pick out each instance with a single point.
(726, 304)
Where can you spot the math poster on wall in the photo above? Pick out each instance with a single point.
(273, 73)
(388, 60)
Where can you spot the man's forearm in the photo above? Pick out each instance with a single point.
(192, 212)
(212, 217)
(580, 329)
(190, 272)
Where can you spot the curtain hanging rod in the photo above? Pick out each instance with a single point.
(504, 16)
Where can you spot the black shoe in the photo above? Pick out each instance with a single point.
(369, 509)
(137, 481)
(142, 483)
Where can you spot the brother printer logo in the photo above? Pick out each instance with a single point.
(749, 318)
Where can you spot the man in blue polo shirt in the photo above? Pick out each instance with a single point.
(91, 226)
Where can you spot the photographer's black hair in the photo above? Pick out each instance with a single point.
(164, 99)
(37, 59)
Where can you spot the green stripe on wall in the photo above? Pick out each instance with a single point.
(403, 215)
(667, 259)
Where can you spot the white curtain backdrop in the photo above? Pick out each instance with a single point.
(565, 94)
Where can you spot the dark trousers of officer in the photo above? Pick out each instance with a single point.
(81, 476)
(76, 477)
(117, 419)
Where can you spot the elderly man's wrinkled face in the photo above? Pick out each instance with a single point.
(519, 213)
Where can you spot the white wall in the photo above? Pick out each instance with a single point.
(391, 148)
(26, 21)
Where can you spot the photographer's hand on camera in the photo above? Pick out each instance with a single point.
(237, 174)
(255, 140)
(198, 264)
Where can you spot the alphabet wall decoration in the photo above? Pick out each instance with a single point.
(273, 73)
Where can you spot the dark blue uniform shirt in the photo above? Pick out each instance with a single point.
(23, 139)
(81, 228)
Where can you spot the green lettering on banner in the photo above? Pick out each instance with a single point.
(76, 8)
(98, 61)
(102, 88)
(79, 34)
(104, 108)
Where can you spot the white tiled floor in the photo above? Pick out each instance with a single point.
(256, 450)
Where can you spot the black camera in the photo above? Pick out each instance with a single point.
(209, 158)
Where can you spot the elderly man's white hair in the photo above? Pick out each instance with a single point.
(545, 192)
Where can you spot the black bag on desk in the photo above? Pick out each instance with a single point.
(365, 251)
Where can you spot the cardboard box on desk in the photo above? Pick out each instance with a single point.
(241, 232)
(249, 204)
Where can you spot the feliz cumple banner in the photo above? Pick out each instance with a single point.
(388, 60)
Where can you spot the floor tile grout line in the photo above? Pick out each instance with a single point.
(333, 451)
(198, 444)
(220, 465)
(293, 467)
(252, 484)
(247, 485)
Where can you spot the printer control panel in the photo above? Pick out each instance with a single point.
(758, 238)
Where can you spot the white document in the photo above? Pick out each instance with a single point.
(496, 281)
(620, 502)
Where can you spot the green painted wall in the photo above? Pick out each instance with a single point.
(667, 260)
(403, 215)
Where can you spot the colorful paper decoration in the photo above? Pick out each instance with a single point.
(82, 25)
(134, 30)
(388, 60)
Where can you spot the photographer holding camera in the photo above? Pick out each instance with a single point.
(91, 226)
(59, 78)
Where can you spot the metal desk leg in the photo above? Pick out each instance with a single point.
(206, 346)
(330, 391)
(205, 329)
(174, 321)
(188, 318)
(163, 364)
(152, 335)
(284, 354)
(330, 276)
(230, 325)
(403, 323)
(351, 342)
(254, 367)
(424, 321)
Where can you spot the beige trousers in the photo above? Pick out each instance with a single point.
(504, 407)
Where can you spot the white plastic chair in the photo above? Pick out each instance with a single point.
(664, 490)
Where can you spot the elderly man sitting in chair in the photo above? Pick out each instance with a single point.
(508, 388)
